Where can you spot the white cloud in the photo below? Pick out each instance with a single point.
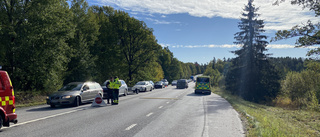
(271, 46)
(279, 17)
(162, 21)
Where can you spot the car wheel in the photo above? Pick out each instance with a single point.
(1, 121)
(125, 93)
(137, 91)
(76, 102)
(52, 105)
(151, 89)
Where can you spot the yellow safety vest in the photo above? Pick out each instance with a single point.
(116, 84)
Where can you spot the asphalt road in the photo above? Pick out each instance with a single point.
(167, 112)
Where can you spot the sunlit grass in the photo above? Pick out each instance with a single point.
(267, 121)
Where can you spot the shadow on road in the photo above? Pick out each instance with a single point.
(197, 95)
(58, 107)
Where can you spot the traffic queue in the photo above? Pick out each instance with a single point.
(76, 93)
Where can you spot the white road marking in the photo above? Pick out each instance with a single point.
(168, 102)
(42, 118)
(149, 114)
(160, 107)
(133, 125)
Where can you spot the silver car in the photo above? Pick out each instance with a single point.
(75, 93)
(142, 86)
(123, 90)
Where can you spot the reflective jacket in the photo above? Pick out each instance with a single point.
(116, 84)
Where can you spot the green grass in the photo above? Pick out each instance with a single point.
(267, 121)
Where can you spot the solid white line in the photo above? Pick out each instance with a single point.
(149, 114)
(160, 107)
(43, 118)
(133, 125)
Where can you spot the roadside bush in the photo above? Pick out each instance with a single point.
(301, 88)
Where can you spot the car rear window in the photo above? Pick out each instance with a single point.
(203, 80)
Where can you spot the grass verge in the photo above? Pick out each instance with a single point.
(266, 121)
(28, 98)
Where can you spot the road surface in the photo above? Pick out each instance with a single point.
(167, 112)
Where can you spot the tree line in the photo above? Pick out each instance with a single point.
(257, 77)
(45, 44)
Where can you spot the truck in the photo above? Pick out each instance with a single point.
(203, 85)
(7, 101)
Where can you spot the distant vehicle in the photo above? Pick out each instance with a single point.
(165, 81)
(123, 90)
(203, 85)
(174, 83)
(7, 101)
(75, 93)
(159, 84)
(182, 83)
(152, 84)
(142, 86)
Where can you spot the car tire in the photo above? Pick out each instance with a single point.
(76, 102)
(137, 91)
(1, 121)
(125, 93)
(52, 105)
(150, 89)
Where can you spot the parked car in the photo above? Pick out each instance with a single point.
(75, 93)
(159, 84)
(182, 83)
(142, 86)
(123, 90)
(174, 83)
(7, 101)
(152, 84)
(165, 81)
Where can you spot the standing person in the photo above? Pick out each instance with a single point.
(116, 86)
(110, 90)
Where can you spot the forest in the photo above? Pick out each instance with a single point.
(46, 44)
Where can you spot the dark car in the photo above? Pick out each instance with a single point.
(75, 93)
(182, 83)
(159, 84)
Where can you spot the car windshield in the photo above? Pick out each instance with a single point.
(71, 86)
(174, 81)
(140, 83)
(159, 82)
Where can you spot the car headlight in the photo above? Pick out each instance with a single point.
(47, 97)
(65, 97)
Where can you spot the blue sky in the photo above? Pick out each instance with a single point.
(198, 30)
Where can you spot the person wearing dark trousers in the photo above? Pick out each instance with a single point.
(116, 85)
(110, 90)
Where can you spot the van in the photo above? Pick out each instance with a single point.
(7, 101)
(182, 83)
(203, 85)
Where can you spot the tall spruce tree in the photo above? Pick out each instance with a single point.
(252, 77)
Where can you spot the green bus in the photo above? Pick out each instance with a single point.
(203, 85)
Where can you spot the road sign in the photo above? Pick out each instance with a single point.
(98, 101)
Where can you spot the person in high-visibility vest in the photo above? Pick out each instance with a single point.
(116, 85)
(109, 90)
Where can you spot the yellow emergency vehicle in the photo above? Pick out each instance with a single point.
(203, 85)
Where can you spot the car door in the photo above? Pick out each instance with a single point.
(85, 92)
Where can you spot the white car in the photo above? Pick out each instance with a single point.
(142, 86)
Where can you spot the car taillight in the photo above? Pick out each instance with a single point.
(13, 100)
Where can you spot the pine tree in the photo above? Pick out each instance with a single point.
(251, 67)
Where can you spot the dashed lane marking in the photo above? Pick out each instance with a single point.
(168, 102)
(160, 107)
(149, 114)
(130, 127)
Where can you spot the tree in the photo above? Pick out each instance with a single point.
(247, 77)
(308, 33)
(86, 33)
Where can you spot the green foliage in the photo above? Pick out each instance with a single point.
(303, 88)
(308, 33)
(251, 76)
